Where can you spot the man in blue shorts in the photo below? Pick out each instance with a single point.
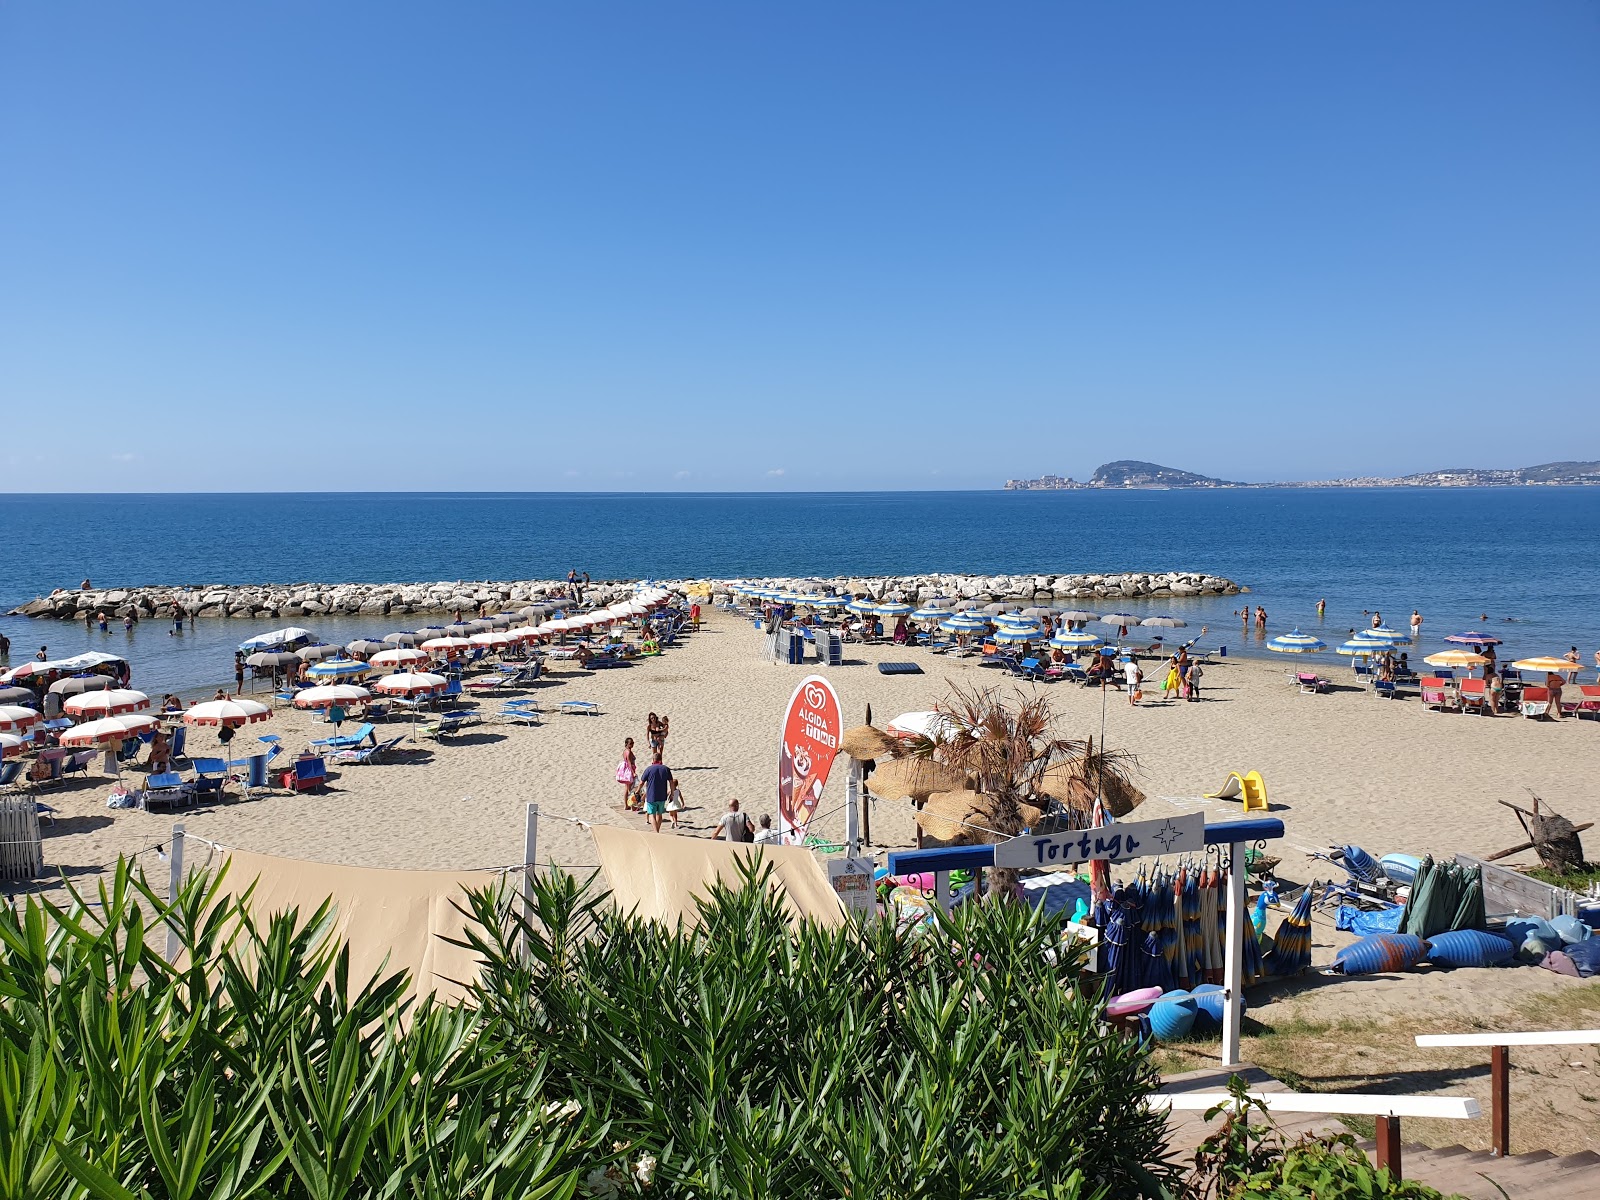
(657, 781)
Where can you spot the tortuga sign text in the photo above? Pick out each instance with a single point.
(1112, 843)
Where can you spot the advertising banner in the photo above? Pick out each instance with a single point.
(811, 728)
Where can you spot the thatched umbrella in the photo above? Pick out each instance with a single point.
(964, 817)
(866, 743)
(1073, 783)
(915, 777)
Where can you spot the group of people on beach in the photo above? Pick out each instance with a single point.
(656, 793)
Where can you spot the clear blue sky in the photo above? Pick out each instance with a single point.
(739, 246)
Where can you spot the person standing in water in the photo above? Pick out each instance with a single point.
(1416, 624)
(1322, 609)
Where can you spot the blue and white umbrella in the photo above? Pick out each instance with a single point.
(893, 608)
(962, 623)
(1013, 636)
(1389, 637)
(1295, 642)
(1361, 646)
(1014, 621)
(338, 668)
(862, 606)
(927, 613)
(823, 602)
(1073, 640)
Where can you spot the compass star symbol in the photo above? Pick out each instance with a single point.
(1167, 834)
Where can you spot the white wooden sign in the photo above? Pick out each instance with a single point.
(1111, 843)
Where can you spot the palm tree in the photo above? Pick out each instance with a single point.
(1015, 765)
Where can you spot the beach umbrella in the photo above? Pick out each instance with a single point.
(110, 702)
(1295, 642)
(107, 730)
(12, 744)
(318, 653)
(403, 638)
(1456, 658)
(448, 647)
(273, 659)
(1473, 639)
(961, 623)
(866, 743)
(1291, 945)
(18, 695)
(825, 601)
(277, 639)
(1168, 622)
(76, 685)
(338, 668)
(330, 694)
(1013, 637)
(862, 605)
(1078, 614)
(407, 683)
(996, 608)
(1361, 647)
(14, 718)
(1039, 610)
(1071, 639)
(502, 620)
(497, 640)
(918, 778)
(365, 647)
(929, 613)
(1390, 637)
(1545, 664)
(429, 631)
(479, 625)
(399, 656)
(1119, 619)
(234, 713)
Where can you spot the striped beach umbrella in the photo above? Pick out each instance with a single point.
(330, 694)
(399, 656)
(406, 683)
(449, 647)
(1291, 945)
(1360, 647)
(497, 640)
(338, 668)
(1295, 642)
(12, 744)
(892, 608)
(108, 730)
(1015, 621)
(825, 601)
(14, 718)
(929, 613)
(1074, 639)
(1015, 636)
(862, 605)
(965, 623)
(1471, 638)
(1389, 637)
(109, 703)
(234, 713)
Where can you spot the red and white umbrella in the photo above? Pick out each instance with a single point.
(495, 640)
(447, 646)
(330, 694)
(12, 745)
(234, 713)
(107, 730)
(400, 656)
(408, 684)
(15, 718)
(108, 703)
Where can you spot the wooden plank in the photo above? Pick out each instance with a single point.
(1556, 1037)
(1506, 891)
(1459, 1108)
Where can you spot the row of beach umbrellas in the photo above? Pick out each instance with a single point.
(1382, 640)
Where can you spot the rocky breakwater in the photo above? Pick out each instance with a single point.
(270, 601)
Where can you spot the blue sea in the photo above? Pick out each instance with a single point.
(1524, 558)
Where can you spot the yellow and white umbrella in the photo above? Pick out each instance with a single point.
(1545, 664)
(1456, 658)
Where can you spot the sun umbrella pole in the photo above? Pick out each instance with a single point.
(1239, 928)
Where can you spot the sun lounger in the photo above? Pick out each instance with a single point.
(899, 668)
(1436, 693)
(77, 764)
(586, 708)
(1310, 683)
(518, 714)
(164, 790)
(1473, 695)
(1030, 668)
(1384, 689)
(372, 754)
(9, 773)
(1589, 705)
(1535, 702)
(350, 741)
(210, 775)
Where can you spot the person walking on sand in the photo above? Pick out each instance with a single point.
(1416, 624)
(1192, 679)
(1131, 677)
(657, 781)
(734, 826)
(652, 733)
(665, 728)
(675, 804)
(1172, 684)
(627, 771)
(766, 835)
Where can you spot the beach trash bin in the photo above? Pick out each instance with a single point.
(1380, 952)
(1171, 1017)
(1470, 948)
(1222, 652)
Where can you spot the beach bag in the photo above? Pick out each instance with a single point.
(624, 772)
(748, 833)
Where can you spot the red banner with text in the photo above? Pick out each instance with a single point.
(812, 726)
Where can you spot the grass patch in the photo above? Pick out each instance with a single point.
(1577, 881)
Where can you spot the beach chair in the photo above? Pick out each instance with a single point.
(1310, 683)
(1589, 705)
(1535, 702)
(372, 754)
(585, 708)
(9, 774)
(164, 790)
(519, 714)
(1384, 689)
(350, 741)
(1473, 695)
(210, 776)
(1436, 693)
(377, 710)
(308, 774)
(77, 764)
(1029, 668)
(489, 683)
(177, 742)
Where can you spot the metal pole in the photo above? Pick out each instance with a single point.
(852, 810)
(1500, 1102)
(530, 849)
(1239, 928)
(941, 889)
(174, 884)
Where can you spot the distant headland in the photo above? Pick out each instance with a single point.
(1129, 473)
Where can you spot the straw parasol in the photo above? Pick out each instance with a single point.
(963, 817)
(915, 777)
(867, 742)
(1073, 784)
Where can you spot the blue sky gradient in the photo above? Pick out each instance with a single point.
(734, 246)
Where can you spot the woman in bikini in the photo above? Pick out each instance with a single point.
(627, 772)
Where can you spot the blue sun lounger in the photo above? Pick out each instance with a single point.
(350, 741)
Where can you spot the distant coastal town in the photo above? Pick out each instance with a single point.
(1128, 473)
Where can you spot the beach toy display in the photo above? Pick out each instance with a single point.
(1470, 948)
(1172, 1017)
(1382, 952)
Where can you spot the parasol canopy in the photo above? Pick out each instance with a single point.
(966, 817)
(402, 638)
(1360, 646)
(330, 694)
(273, 659)
(1456, 658)
(1390, 637)
(931, 725)
(318, 652)
(291, 636)
(1545, 664)
(1015, 635)
(1073, 784)
(232, 713)
(398, 656)
(915, 777)
(409, 684)
(1473, 639)
(365, 647)
(1169, 622)
(1120, 619)
(14, 718)
(338, 668)
(18, 695)
(107, 730)
(448, 646)
(1295, 642)
(862, 606)
(108, 702)
(962, 623)
(12, 744)
(1073, 639)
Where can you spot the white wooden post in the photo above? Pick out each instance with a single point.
(530, 850)
(174, 884)
(941, 889)
(852, 810)
(1239, 928)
